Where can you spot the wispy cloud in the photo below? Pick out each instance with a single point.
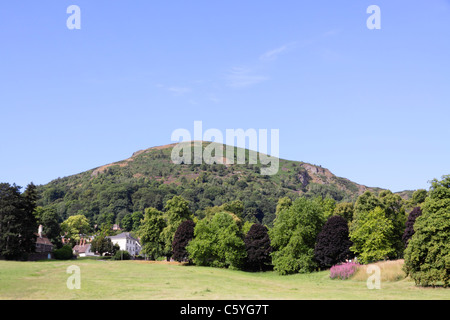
(241, 77)
(331, 32)
(329, 55)
(213, 98)
(179, 90)
(273, 54)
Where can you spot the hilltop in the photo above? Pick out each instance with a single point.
(149, 178)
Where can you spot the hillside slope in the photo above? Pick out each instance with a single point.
(149, 178)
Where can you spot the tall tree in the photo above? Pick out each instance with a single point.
(333, 243)
(183, 235)
(177, 211)
(136, 219)
(28, 223)
(236, 207)
(409, 230)
(74, 226)
(48, 218)
(283, 203)
(365, 203)
(344, 210)
(127, 222)
(328, 206)
(371, 236)
(419, 196)
(102, 244)
(217, 242)
(427, 257)
(17, 222)
(394, 209)
(150, 232)
(294, 234)
(257, 245)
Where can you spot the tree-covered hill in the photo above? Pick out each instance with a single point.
(149, 178)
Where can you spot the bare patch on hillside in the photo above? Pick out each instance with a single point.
(102, 169)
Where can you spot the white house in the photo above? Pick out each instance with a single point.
(127, 242)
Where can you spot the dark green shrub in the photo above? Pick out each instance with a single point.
(65, 253)
(122, 255)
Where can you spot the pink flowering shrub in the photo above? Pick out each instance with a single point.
(343, 271)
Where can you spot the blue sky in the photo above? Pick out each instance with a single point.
(370, 105)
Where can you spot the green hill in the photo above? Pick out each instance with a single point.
(149, 178)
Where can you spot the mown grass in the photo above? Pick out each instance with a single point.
(132, 280)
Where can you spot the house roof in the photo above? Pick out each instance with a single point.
(43, 240)
(123, 235)
(81, 249)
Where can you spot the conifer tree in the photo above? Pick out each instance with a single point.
(17, 222)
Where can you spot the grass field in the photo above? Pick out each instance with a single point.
(147, 280)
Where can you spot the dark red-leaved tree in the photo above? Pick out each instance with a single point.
(183, 235)
(333, 243)
(257, 245)
(409, 228)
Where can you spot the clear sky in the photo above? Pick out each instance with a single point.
(370, 105)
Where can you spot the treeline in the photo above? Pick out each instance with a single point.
(309, 234)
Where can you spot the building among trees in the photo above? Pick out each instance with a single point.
(127, 243)
(44, 247)
(83, 248)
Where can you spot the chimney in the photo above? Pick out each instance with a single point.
(40, 231)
